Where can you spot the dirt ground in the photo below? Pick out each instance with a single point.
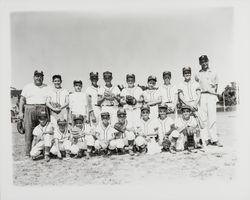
(215, 164)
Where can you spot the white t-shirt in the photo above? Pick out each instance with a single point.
(147, 127)
(39, 130)
(104, 133)
(114, 89)
(93, 93)
(78, 103)
(58, 95)
(168, 93)
(35, 94)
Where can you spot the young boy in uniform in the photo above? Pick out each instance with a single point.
(131, 98)
(104, 133)
(166, 130)
(109, 97)
(61, 139)
(42, 137)
(151, 97)
(79, 104)
(189, 130)
(147, 130)
(82, 138)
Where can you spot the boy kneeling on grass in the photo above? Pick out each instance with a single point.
(42, 138)
(82, 138)
(61, 138)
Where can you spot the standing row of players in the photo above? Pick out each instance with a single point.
(199, 96)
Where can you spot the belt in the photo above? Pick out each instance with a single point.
(34, 104)
(169, 102)
(207, 92)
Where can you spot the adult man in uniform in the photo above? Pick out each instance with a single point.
(130, 98)
(109, 97)
(92, 94)
(208, 81)
(32, 101)
(169, 93)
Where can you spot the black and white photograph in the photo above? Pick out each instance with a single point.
(126, 96)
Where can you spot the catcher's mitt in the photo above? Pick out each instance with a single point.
(166, 143)
(130, 100)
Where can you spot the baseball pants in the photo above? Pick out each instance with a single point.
(63, 146)
(39, 147)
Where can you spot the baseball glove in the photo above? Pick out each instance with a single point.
(55, 105)
(130, 100)
(119, 127)
(190, 131)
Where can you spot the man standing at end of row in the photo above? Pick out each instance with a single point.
(208, 81)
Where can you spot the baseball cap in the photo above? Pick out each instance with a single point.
(93, 75)
(185, 107)
(163, 105)
(186, 69)
(203, 59)
(103, 114)
(56, 76)
(121, 111)
(78, 117)
(37, 72)
(107, 73)
(151, 77)
(145, 107)
(77, 81)
(130, 76)
(166, 73)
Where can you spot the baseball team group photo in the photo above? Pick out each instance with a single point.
(75, 121)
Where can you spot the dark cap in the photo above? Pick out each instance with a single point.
(130, 76)
(107, 73)
(78, 117)
(203, 59)
(77, 81)
(145, 107)
(184, 107)
(166, 73)
(186, 69)
(150, 78)
(163, 105)
(93, 75)
(121, 111)
(103, 114)
(56, 76)
(37, 72)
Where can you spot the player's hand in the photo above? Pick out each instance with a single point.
(59, 155)
(20, 116)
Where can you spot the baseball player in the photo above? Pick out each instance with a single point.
(208, 81)
(61, 139)
(42, 137)
(147, 132)
(151, 97)
(92, 93)
(79, 103)
(169, 93)
(189, 130)
(131, 98)
(127, 129)
(109, 97)
(104, 133)
(58, 100)
(166, 129)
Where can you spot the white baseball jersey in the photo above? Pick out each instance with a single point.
(168, 93)
(180, 122)
(151, 95)
(165, 125)
(114, 89)
(189, 89)
(58, 95)
(147, 127)
(93, 93)
(39, 130)
(135, 92)
(61, 135)
(78, 103)
(104, 133)
(207, 80)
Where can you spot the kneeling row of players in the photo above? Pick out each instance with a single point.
(145, 136)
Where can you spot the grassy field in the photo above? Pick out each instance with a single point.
(214, 164)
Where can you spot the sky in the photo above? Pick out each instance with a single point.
(144, 43)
